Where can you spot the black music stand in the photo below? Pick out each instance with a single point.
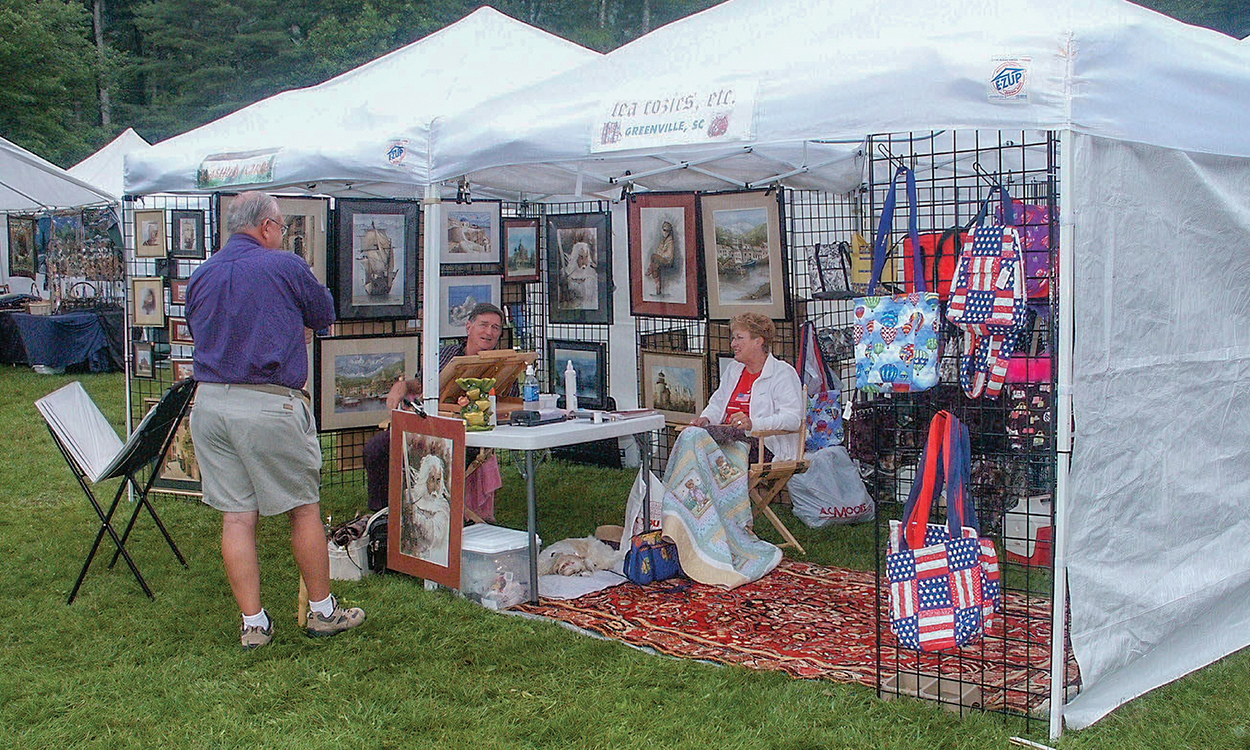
(95, 453)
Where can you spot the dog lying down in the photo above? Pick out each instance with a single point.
(577, 557)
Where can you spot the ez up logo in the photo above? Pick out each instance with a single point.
(1009, 80)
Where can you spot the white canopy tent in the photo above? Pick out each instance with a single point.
(1155, 210)
(105, 168)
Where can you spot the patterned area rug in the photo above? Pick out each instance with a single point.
(817, 622)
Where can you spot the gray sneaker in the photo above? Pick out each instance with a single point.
(255, 636)
(339, 620)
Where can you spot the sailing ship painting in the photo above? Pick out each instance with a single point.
(375, 238)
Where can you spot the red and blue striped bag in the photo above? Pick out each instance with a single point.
(943, 578)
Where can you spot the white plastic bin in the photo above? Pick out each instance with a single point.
(494, 565)
(350, 563)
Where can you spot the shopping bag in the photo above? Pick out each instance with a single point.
(837, 343)
(943, 578)
(987, 294)
(829, 271)
(831, 491)
(650, 558)
(824, 393)
(1032, 221)
(896, 337)
(941, 252)
(1031, 361)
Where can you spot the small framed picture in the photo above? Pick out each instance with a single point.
(377, 259)
(181, 369)
(663, 255)
(354, 374)
(426, 497)
(460, 294)
(472, 233)
(180, 332)
(178, 291)
(743, 256)
(520, 249)
(674, 384)
(179, 473)
(150, 234)
(188, 234)
(589, 360)
(22, 246)
(579, 268)
(141, 358)
(148, 295)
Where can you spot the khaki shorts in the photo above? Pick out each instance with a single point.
(257, 451)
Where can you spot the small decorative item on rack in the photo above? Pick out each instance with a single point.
(475, 406)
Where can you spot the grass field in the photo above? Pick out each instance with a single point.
(428, 669)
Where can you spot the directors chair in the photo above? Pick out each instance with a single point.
(94, 453)
(766, 480)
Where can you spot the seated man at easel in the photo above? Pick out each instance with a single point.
(484, 328)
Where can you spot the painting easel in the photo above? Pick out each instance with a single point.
(505, 365)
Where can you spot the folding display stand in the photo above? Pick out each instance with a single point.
(94, 453)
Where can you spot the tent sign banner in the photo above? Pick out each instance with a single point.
(239, 168)
(711, 113)
(1009, 80)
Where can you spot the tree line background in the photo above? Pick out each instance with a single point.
(75, 73)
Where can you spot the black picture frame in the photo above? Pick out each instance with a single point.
(22, 246)
(579, 268)
(187, 234)
(590, 360)
(361, 288)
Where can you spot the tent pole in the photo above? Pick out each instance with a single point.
(1063, 431)
(432, 208)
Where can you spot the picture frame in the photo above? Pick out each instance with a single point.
(180, 332)
(520, 249)
(471, 232)
(426, 501)
(745, 269)
(149, 234)
(187, 234)
(673, 384)
(179, 471)
(722, 366)
(669, 340)
(307, 223)
(664, 255)
(589, 359)
(459, 294)
(147, 294)
(21, 246)
(181, 369)
(141, 358)
(178, 291)
(579, 268)
(377, 259)
(354, 374)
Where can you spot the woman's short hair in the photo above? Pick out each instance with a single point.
(249, 210)
(758, 326)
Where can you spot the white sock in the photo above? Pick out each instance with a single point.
(325, 607)
(258, 620)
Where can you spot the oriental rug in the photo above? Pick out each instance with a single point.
(812, 621)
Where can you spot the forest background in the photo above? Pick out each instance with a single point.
(75, 73)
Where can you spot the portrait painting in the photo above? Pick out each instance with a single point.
(744, 261)
(356, 372)
(471, 232)
(460, 294)
(520, 247)
(426, 497)
(180, 332)
(142, 364)
(377, 259)
(179, 472)
(149, 234)
(147, 293)
(589, 360)
(188, 234)
(579, 268)
(663, 255)
(22, 246)
(674, 384)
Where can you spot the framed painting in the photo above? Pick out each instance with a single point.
(179, 472)
(472, 233)
(178, 291)
(670, 340)
(187, 234)
(579, 268)
(148, 296)
(22, 246)
(663, 255)
(181, 369)
(743, 258)
(142, 363)
(674, 384)
(306, 228)
(520, 249)
(180, 332)
(460, 294)
(589, 359)
(377, 259)
(354, 375)
(150, 234)
(424, 526)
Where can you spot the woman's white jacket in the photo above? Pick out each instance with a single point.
(776, 404)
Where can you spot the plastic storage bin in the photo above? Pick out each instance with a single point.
(350, 563)
(494, 565)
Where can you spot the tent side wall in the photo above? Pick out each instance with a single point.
(1158, 566)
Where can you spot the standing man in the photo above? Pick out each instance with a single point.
(253, 426)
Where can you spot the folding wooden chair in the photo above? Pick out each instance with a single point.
(766, 480)
(94, 453)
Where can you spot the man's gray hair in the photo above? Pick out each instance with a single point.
(249, 210)
(485, 308)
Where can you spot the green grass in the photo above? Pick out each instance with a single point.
(115, 670)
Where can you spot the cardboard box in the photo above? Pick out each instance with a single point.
(495, 565)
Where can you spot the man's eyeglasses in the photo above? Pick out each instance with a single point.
(281, 227)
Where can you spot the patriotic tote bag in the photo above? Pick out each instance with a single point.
(943, 578)
(896, 337)
(824, 407)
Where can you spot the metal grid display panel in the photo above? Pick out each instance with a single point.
(1007, 671)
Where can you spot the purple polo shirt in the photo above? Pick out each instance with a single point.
(247, 307)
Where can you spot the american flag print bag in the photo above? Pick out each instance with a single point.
(943, 578)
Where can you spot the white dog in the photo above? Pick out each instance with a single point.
(427, 512)
(577, 557)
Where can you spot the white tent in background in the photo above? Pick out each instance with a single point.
(105, 168)
(1154, 356)
(29, 183)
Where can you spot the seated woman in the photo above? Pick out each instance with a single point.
(706, 509)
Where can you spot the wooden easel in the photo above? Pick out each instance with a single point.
(505, 365)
